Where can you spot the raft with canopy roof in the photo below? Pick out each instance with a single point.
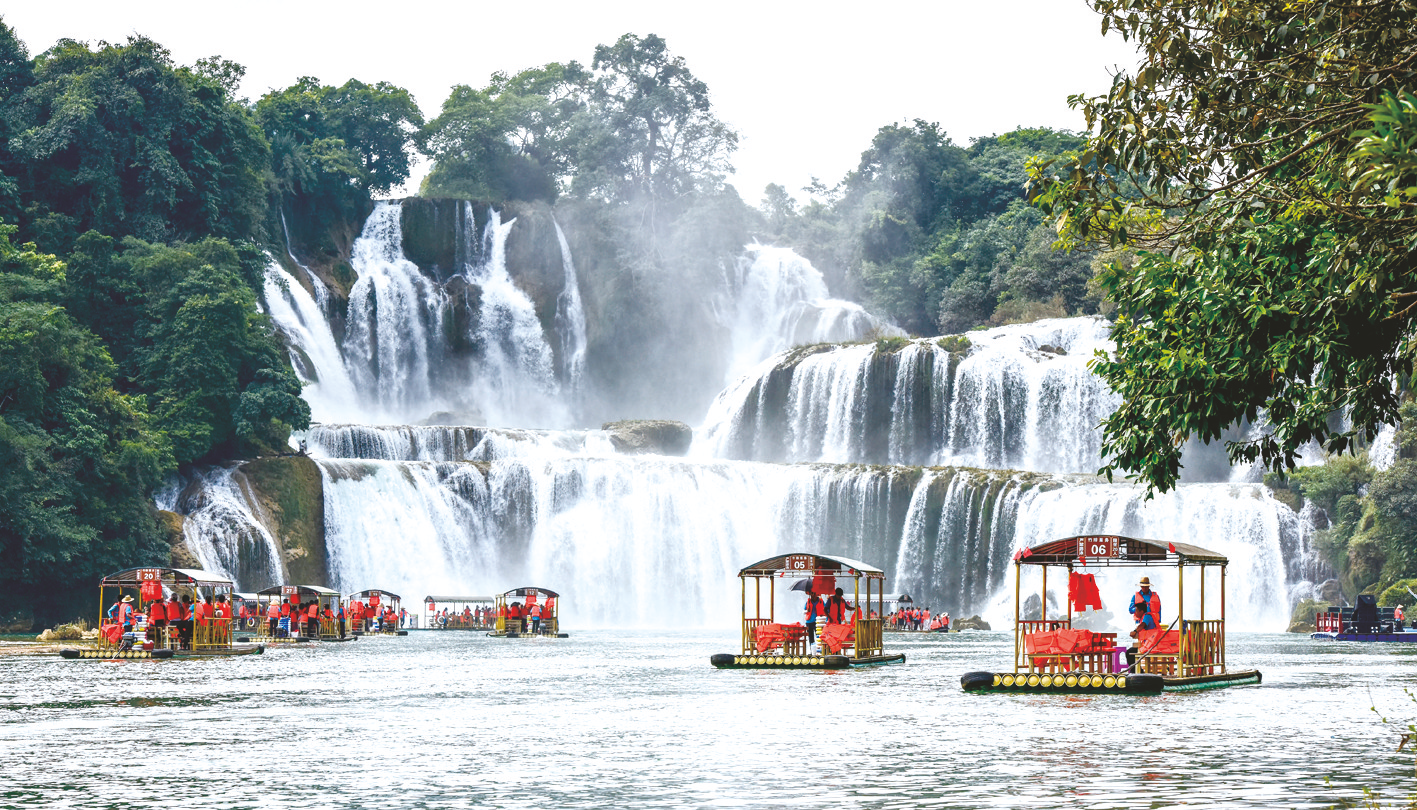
(515, 614)
(460, 612)
(289, 630)
(768, 644)
(204, 630)
(374, 604)
(1052, 656)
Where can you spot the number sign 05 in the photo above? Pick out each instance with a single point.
(799, 562)
(1097, 547)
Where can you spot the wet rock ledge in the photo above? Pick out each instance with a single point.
(650, 436)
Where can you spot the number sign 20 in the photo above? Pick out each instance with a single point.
(1097, 547)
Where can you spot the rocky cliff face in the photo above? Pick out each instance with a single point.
(289, 500)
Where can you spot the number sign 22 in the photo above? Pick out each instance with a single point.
(1097, 547)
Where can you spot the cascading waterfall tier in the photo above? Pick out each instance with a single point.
(651, 540)
(446, 443)
(1015, 397)
(773, 299)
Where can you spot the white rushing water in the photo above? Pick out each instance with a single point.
(222, 529)
(1018, 397)
(313, 352)
(774, 299)
(649, 540)
(1005, 418)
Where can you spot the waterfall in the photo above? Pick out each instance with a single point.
(447, 443)
(1014, 397)
(393, 325)
(775, 299)
(313, 352)
(222, 528)
(515, 376)
(650, 540)
(570, 319)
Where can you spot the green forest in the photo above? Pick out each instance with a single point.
(139, 198)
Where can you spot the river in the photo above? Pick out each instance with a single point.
(639, 719)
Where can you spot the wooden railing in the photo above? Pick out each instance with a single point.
(1024, 628)
(749, 625)
(1202, 647)
(211, 633)
(869, 634)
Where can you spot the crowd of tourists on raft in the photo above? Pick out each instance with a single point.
(913, 618)
(180, 620)
(172, 618)
(478, 617)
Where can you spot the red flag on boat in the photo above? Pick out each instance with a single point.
(1171, 547)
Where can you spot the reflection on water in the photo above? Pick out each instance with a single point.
(641, 720)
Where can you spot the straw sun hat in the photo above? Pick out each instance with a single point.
(1145, 582)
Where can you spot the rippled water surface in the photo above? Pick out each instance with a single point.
(640, 719)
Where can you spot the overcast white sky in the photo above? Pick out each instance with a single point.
(805, 84)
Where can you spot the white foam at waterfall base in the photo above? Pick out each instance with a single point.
(314, 355)
(1243, 523)
(643, 542)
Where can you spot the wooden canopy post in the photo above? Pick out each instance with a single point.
(772, 599)
(1044, 614)
(1202, 591)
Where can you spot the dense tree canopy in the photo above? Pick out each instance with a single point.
(938, 235)
(122, 141)
(1267, 146)
(636, 126)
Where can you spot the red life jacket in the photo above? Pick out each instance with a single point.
(314, 611)
(157, 612)
(1153, 606)
(836, 610)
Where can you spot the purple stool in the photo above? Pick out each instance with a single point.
(1119, 659)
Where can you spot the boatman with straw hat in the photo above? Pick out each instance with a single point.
(1146, 610)
(1146, 607)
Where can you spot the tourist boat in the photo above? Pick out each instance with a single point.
(374, 601)
(771, 645)
(245, 629)
(524, 598)
(198, 637)
(462, 612)
(289, 631)
(1053, 657)
(1364, 621)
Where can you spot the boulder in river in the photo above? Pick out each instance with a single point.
(658, 436)
(1304, 618)
(972, 623)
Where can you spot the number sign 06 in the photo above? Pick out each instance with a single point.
(1097, 547)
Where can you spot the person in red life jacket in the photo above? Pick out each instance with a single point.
(157, 613)
(122, 613)
(836, 608)
(188, 620)
(1146, 611)
(812, 610)
(312, 619)
(945, 622)
(272, 618)
(1398, 617)
(535, 612)
(221, 621)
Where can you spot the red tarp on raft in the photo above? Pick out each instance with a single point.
(1066, 642)
(1160, 642)
(837, 636)
(771, 636)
